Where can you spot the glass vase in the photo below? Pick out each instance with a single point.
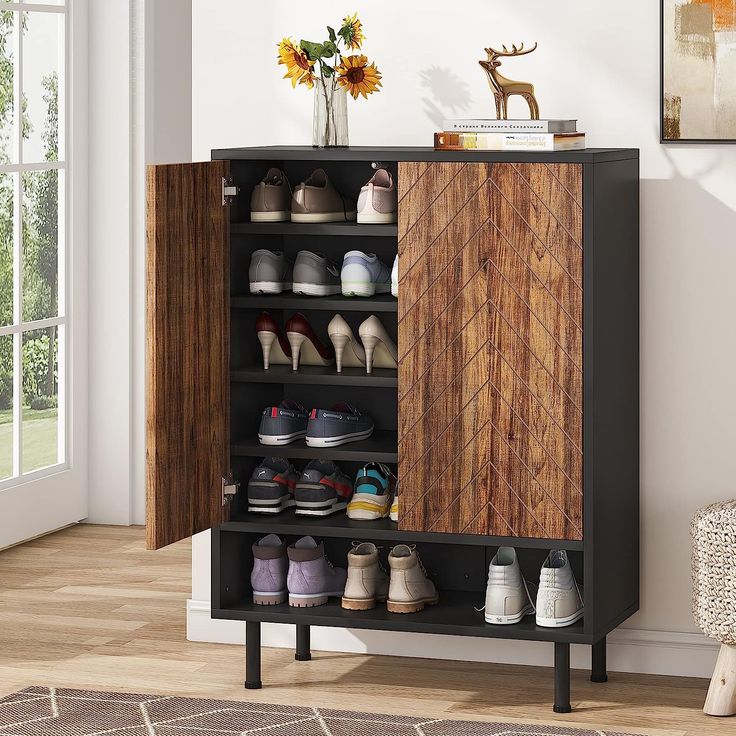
(330, 124)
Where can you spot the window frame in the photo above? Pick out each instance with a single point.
(19, 327)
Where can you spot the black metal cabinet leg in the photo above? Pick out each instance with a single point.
(598, 672)
(253, 655)
(562, 678)
(302, 654)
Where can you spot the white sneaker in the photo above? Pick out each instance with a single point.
(507, 596)
(363, 274)
(377, 203)
(559, 600)
(394, 514)
(395, 277)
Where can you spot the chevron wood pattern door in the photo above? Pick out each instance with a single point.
(490, 349)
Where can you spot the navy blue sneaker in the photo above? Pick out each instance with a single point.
(283, 424)
(343, 423)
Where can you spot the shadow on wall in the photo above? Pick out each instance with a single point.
(688, 343)
(447, 94)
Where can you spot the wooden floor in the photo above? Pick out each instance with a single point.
(88, 607)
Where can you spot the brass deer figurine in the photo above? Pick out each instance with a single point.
(503, 88)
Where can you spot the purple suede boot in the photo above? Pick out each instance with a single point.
(312, 578)
(268, 578)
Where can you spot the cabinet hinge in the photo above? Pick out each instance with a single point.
(229, 488)
(229, 191)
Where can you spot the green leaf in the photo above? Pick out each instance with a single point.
(333, 35)
(311, 49)
(328, 49)
(327, 70)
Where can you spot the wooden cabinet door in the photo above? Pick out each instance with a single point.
(490, 349)
(187, 350)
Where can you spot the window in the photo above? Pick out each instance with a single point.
(33, 257)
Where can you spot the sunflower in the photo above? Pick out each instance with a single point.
(299, 68)
(352, 32)
(357, 76)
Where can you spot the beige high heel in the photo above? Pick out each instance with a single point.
(380, 349)
(275, 348)
(348, 351)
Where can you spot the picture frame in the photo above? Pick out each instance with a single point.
(666, 137)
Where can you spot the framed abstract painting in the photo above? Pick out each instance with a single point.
(698, 68)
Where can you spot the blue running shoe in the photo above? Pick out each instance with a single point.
(373, 494)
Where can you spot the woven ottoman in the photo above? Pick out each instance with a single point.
(714, 597)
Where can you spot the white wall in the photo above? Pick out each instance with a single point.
(140, 113)
(110, 232)
(601, 66)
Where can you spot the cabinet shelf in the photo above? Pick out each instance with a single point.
(455, 614)
(317, 375)
(351, 229)
(336, 303)
(380, 447)
(339, 525)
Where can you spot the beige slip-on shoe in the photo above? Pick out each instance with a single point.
(317, 200)
(270, 200)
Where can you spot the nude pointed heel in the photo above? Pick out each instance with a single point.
(348, 351)
(295, 340)
(369, 343)
(267, 340)
(339, 342)
(380, 349)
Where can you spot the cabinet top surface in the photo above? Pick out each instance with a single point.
(420, 153)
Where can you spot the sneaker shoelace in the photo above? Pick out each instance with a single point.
(528, 597)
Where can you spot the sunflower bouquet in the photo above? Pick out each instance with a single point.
(333, 72)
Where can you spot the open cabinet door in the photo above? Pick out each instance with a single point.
(187, 350)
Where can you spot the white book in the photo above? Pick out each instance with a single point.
(509, 126)
(542, 142)
(509, 141)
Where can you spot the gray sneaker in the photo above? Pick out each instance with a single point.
(271, 486)
(271, 198)
(283, 424)
(322, 489)
(378, 201)
(363, 274)
(269, 272)
(315, 275)
(336, 426)
(317, 200)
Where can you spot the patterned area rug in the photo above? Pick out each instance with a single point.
(42, 711)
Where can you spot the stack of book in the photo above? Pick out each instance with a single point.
(509, 135)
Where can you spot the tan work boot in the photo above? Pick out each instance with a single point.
(410, 589)
(367, 581)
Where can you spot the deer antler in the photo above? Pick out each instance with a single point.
(520, 51)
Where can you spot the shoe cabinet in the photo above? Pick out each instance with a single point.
(512, 418)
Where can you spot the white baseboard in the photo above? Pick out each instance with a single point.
(629, 650)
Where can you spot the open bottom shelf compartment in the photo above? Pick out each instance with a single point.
(455, 614)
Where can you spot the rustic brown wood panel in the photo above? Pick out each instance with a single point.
(490, 349)
(187, 350)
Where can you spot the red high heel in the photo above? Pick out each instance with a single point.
(305, 343)
(275, 346)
